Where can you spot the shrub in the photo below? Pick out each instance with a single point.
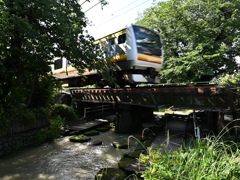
(56, 125)
(51, 133)
(64, 111)
(41, 136)
(209, 159)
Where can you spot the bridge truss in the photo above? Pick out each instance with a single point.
(207, 98)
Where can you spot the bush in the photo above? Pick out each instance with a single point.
(64, 111)
(209, 159)
(41, 136)
(56, 125)
(51, 133)
(228, 80)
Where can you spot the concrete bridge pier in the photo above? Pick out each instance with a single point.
(80, 108)
(129, 118)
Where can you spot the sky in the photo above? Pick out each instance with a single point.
(114, 16)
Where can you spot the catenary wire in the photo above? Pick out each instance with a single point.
(92, 6)
(83, 2)
(119, 15)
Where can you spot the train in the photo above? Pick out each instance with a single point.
(135, 51)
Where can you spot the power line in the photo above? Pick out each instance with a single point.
(83, 2)
(120, 14)
(115, 12)
(126, 6)
(100, 1)
(109, 17)
(92, 6)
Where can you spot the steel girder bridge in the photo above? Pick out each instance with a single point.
(219, 104)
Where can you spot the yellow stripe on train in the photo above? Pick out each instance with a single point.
(154, 59)
(111, 36)
(121, 57)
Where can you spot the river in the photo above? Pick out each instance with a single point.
(64, 160)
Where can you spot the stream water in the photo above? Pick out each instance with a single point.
(64, 160)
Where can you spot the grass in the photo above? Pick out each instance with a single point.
(211, 158)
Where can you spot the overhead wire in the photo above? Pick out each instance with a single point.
(83, 2)
(109, 17)
(93, 6)
(126, 6)
(120, 14)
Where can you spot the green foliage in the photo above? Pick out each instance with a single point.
(201, 38)
(91, 133)
(228, 80)
(64, 111)
(121, 144)
(56, 125)
(79, 138)
(23, 115)
(44, 93)
(209, 159)
(41, 137)
(32, 32)
(51, 133)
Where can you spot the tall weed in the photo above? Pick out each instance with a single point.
(211, 158)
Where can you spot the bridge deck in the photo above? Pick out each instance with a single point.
(191, 96)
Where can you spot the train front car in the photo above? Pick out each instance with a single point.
(136, 51)
(144, 56)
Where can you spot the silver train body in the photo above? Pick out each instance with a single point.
(136, 51)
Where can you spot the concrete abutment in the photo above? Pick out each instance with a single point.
(129, 118)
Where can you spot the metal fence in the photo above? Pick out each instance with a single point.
(97, 109)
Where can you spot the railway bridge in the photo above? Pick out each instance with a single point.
(209, 105)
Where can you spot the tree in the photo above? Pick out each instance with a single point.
(32, 32)
(201, 38)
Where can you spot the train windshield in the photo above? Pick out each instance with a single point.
(148, 42)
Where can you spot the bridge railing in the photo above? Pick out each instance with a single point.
(96, 109)
(190, 96)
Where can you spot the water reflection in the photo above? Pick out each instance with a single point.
(63, 160)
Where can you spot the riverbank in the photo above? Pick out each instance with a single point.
(63, 159)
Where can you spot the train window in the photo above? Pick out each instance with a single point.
(104, 45)
(122, 39)
(147, 41)
(112, 47)
(147, 37)
(105, 48)
(112, 41)
(58, 63)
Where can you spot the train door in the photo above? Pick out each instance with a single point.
(121, 47)
(112, 47)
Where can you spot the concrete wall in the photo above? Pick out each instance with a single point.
(14, 142)
(129, 118)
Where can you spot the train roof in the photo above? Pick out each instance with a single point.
(117, 33)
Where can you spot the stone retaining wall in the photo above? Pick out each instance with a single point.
(13, 142)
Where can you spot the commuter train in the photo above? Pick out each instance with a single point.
(136, 51)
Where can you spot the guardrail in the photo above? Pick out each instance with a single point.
(101, 108)
(209, 96)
